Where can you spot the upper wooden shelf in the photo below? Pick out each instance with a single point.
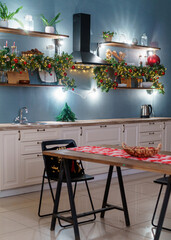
(126, 45)
(32, 33)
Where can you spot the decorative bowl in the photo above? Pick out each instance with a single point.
(147, 84)
(141, 152)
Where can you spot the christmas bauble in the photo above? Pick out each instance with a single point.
(154, 59)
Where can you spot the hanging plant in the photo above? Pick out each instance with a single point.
(121, 69)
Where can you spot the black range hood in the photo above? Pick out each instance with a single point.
(81, 42)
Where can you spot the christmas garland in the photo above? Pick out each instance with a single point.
(124, 71)
(60, 64)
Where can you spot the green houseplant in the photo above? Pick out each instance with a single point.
(5, 15)
(107, 36)
(49, 25)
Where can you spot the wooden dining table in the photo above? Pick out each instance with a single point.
(112, 161)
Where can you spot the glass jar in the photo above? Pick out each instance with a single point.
(29, 23)
(3, 77)
(144, 40)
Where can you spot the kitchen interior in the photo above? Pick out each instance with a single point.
(100, 112)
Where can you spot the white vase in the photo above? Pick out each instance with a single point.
(3, 23)
(49, 29)
(147, 84)
(48, 78)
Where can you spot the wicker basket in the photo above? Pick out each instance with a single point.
(141, 152)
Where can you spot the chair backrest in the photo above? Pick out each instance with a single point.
(52, 164)
(58, 144)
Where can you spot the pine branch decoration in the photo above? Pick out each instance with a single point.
(66, 115)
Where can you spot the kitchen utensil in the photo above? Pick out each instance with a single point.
(146, 111)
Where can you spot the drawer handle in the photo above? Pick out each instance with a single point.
(38, 142)
(152, 123)
(151, 133)
(19, 135)
(40, 130)
(39, 155)
(103, 126)
(151, 142)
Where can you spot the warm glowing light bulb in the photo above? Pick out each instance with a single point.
(60, 94)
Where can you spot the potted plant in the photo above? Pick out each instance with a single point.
(107, 36)
(49, 25)
(5, 15)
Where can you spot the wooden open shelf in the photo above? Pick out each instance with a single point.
(32, 33)
(46, 85)
(29, 85)
(126, 45)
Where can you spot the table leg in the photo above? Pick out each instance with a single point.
(108, 182)
(122, 191)
(163, 210)
(57, 197)
(71, 199)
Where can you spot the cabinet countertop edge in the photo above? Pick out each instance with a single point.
(79, 123)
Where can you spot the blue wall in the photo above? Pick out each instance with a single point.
(130, 17)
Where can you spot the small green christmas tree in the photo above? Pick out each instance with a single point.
(66, 115)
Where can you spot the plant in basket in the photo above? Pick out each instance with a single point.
(107, 36)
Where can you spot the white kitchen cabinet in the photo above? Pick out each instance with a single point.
(32, 166)
(74, 133)
(31, 159)
(96, 135)
(9, 160)
(131, 134)
(151, 134)
(167, 136)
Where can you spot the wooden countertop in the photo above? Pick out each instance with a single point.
(79, 123)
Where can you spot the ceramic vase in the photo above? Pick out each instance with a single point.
(49, 29)
(3, 23)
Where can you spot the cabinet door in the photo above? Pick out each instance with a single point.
(74, 133)
(32, 166)
(130, 134)
(97, 135)
(167, 136)
(9, 160)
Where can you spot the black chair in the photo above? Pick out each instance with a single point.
(51, 172)
(163, 181)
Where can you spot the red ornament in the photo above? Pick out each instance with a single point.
(142, 74)
(154, 59)
(73, 67)
(49, 65)
(67, 59)
(20, 72)
(135, 69)
(72, 89)
(25, 62)
(50, 74)
(65, 74)
(101, 80)
(130, 70)
(15, 60)
(115, 73)
(106, 70)
(125, 64)
(163, 73)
